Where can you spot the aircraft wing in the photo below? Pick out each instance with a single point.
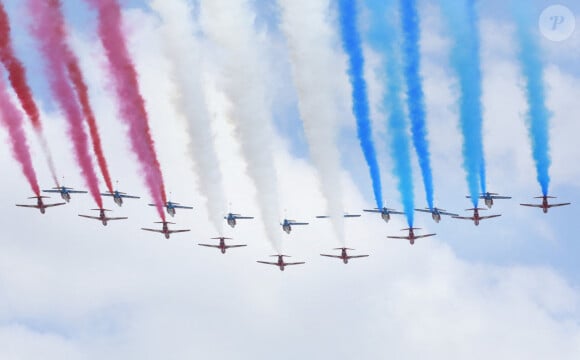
(234, 246)
(90, 217)
(52, 205)
(426, 211)
(183, 207)
(177, 231)
(488, 217)
(116, 218)
(28, 206)
(129, 196)
(52, 191)
(208, 245)
(395, 212)
(332, 256)
(244, 217)
(295, 263)
(268, 263)
(423, 236)
(500, 197)
(447, 213)
(153, 230)
(373, 210)
(351, 215)
(77, 191)
(298, 223)
(563, 204)
(398, 237)
(356, 256)
(464, 217)
(532, 205)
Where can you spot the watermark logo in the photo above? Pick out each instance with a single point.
(557, 23)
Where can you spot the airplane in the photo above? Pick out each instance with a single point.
(171, 206)
(385, 212)
(411, 237)
(102, 217)
(222, 246)
(343, 255)
(476, 218)
(345, 215)
(436, 213)
(64, 192)
(488, 197)
(545, 206)
(231, 219)
(40, 205)
(280, 263)
(287, 225)
(165, 230)
(118, 196)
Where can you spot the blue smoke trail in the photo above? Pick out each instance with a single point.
(415, 96)
(538, 115)
(462, 21)
(352, 45)
(383, 38)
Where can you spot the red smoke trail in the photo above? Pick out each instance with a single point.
(17, 77)
(78, 81)
(11, 118)
(132, 105)
(48, 27)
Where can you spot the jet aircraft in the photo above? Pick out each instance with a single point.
(40, 205)
(385, 212)
(545, 205)
(222, 245)
(280, 263)
(171, 206)
(436, 213)
(287, 225)
(64, 192)
(411, 237)
(232, 218)
(343, 255)
(102, 217)
(165, 229)
(489, 197)
(476, 217)
(118, 196)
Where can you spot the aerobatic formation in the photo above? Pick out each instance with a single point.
(395, 42)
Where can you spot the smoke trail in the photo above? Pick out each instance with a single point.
(538, 115)
(245, 87)
(382, 37)
(17, 78)
(82, 91)
(415, 95)
(131, 103)
(462, 22)
(351, 42)
(183, 51)
(310, 42)
(11, 118)
(49, 29)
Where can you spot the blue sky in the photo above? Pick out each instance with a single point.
(77, 292)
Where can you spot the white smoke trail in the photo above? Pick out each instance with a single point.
(183, 51)
(230, 25)
(310, 40)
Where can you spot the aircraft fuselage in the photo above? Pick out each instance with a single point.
(231, 221)
(489, 202)
(386, 216)
(436, 217)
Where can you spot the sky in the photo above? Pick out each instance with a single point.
(71, 288)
